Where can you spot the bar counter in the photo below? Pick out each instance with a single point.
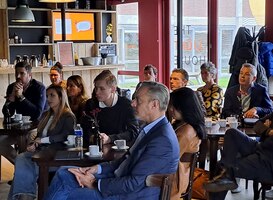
(88, 73)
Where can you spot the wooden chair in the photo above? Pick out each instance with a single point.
(192, 159)
(203, 149)
(164, 181)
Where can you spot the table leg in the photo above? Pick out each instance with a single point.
(213, 155)
(22, 143)
(43, 181)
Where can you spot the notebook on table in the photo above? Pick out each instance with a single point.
(68, 155)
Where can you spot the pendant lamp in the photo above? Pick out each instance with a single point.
(22, 12)
(56, 1)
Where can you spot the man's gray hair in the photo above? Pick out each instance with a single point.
(159, 92)
(252, 67)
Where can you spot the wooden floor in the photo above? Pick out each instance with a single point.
(8, 169)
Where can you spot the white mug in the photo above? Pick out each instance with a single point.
(208, 122)
(233, 124)
(25, 119)
(71, 139)
(94, 150)
(231, 119)
(222, 123)
(121, 144)
(18, 117)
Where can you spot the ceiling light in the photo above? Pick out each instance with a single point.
(22, 12)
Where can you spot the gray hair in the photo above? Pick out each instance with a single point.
(210, 67)
(252, 67)
(159, 92)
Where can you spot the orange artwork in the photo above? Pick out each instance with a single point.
(79, 26)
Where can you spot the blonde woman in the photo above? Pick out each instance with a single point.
(55, 125)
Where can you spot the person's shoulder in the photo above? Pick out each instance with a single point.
(259, 86)
(36, 83)
(215, 86)
(233, 89)
(123, 100)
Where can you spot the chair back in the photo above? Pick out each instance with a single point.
(164, 181)
(192, 159)
(203, 149)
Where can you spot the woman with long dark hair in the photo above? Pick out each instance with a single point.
(190, 129)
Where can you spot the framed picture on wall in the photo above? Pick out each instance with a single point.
(66, 53)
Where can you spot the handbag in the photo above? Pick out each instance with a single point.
(200, 177)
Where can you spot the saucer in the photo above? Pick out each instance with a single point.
(27, 122)
(93, 156)
(68, 144)
(116, 148)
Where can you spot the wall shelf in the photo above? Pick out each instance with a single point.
(31, 44)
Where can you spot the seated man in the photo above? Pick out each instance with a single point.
(26, 96)
(244, 157)
(180, 78)
(113, 114)
(248, 97)
(155, 151)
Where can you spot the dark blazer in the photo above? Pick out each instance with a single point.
(63, 128)
(34, 104)
(259, 99)
(157, 153)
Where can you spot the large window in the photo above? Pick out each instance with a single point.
(194, 36)
(234, 14)
(128, 49)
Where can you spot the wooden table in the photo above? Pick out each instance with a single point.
(46, 159)
(18, 130)
(214, 134)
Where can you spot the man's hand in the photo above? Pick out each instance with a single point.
(18, 88)
(267, 123)
(89, 170)
(252, 113)
(84, 180)
(105, 138)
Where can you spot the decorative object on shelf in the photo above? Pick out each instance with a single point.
(109, 31)
(22, 12)
(87, 4)
(56, 1)
(108, 39)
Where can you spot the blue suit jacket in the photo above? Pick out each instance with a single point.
(157, 153)
(259, 99)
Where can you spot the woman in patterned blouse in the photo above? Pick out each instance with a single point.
(211, 92)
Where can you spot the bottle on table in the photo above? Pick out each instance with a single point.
(7, 116)
(79, 137)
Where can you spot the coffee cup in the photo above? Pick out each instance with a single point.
(208, 122)
(222, 123)
(233, 124)
(121, 144)
(18, 117)
(25, 119)
(94, 150)
(71, 139)
(231, 119)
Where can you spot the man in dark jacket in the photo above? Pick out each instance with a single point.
(26, 96)
(244, 157)
(248, 97)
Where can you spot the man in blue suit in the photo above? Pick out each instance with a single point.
(155, 151)
(248, 97)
